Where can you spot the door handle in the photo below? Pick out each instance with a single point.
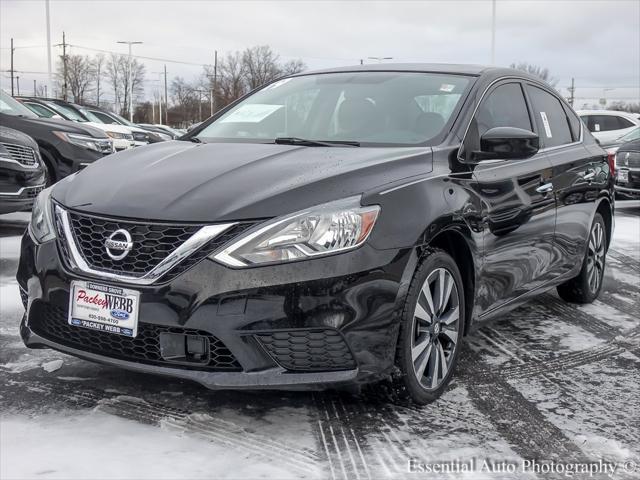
(545, 188)
(590, 175)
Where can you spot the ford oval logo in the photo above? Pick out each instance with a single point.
(119, 314)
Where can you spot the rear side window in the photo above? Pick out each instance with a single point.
(606, 123)
(624, 123)
(551, 120)
(504, 107)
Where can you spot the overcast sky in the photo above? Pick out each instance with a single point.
(597, 42)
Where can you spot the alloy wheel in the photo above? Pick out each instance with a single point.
(435, 329)
(595, 257)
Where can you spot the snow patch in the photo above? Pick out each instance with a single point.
(52, 366)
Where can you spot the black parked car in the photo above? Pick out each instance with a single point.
(331, 228)
(628, 170)
(65, 147)
(21, 172)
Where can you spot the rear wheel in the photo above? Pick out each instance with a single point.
(431, 330)
(586, 286)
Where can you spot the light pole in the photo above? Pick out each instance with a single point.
(49, 76)
(380, 59)
(493, 32)
(130, 79)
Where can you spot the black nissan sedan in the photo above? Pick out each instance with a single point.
(331, 228)
(22, 175)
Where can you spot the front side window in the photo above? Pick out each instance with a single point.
(550, 117)
(371, 108)
(503, 107)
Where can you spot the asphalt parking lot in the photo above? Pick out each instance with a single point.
(549, 381)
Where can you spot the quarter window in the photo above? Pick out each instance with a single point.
(551, 120)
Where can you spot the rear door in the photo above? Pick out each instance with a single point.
(577, 175)
(518, 210)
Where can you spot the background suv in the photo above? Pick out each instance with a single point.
(65, 147)
(22, 175)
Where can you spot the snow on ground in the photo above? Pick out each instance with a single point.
(546, 381)
(90, 444)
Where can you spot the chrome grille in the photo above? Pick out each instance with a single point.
(152, 244)
(21, 154)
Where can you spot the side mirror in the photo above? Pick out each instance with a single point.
(507, 143)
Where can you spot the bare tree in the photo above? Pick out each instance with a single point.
(537, 71)
(260, 65)
(625, 107)
(79, 75)
(230, 82)
(114, 75)
(117, 71)
(99, 65)
(292, 67)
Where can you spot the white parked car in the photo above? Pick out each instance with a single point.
(52, 108)
(609, 125)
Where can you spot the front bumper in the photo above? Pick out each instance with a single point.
(309, 324)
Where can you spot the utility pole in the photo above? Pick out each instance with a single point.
(493, 32)
(361, 61)
(49, 76)
(212, 90)
(572, 90)
(64, 67)
(18, 83)
(166, 98)
(35, 90)
(130, 78)
(46, 91)
(12, 50)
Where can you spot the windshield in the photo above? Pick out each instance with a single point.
(92, 118)
(375, 108)
(10, 106)
(632, 135)
(67, 112)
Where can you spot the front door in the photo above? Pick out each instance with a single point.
(517, 205)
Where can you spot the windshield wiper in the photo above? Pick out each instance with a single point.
(195, 140)
(315, 143)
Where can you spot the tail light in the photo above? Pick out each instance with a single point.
(611, 159)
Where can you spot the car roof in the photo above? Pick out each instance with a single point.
(452, 68)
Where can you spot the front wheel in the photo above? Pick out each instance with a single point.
(586, 286)
(431, 329)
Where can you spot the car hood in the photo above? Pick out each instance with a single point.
(9, 135)
(183, 181)
(109, 127)
(65, 126)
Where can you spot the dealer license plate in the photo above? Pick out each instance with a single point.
(623, 176)
(104, 308)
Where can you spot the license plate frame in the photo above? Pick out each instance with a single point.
(104, 308)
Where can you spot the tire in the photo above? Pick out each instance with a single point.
(424, 346)
(586, 286)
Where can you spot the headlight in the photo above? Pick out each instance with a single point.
(330, 228)
(116, 134)
(41, 225)
(102, 145)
